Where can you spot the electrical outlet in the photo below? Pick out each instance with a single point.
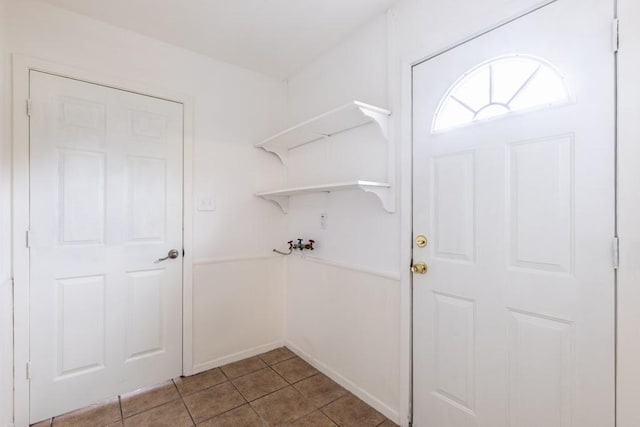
(323, 220)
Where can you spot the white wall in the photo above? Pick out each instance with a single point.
(241, 312)
(350, 331)
(6, 310)
(360, 234)
(234, 108)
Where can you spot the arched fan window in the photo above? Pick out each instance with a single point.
(498, 87)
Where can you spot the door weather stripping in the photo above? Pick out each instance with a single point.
(616, 252)
(615, 39)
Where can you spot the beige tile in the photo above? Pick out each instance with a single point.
(147, 398)
(259, 383)
(320, 389)
(213, 401)
(116, 424)
(277, 355)
(99, 414)
(197, 382)
(282, 406)
(314, 419)
(243, 367)
(45, 423)
(349, 411)
(294, 370)
(243, 416)
(388, 423)
(172, 414)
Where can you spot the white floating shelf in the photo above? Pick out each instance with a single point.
(338, 120)
(380, 189)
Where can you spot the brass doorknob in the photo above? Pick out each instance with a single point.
(419, 268)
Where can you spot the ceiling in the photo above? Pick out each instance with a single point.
(274, 37)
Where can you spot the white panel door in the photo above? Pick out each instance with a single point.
(513, 185)
(106, 203)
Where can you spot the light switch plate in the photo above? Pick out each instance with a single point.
(206, 203)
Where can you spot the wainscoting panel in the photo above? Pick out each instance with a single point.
(345, 320)
(238, 309)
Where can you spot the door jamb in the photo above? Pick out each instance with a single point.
(22, 65)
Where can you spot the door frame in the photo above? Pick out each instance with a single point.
(404, 105)
(22, 65)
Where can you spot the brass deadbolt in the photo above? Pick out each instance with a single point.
(421, 241)
(419, 267)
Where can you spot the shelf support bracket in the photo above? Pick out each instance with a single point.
(380, 119)
(281, 201)
(384, 194)
(282, 153)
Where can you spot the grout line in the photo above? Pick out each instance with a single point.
(329, 416)
(203, 389)
(279, 361)
(183, 402)
(219, 368)
(334, 400)
(177, 388)
(229, 410)
(121, 411)
(151, 407)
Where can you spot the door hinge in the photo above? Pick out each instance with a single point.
(28, 372)
(616, 252)
(28, 238)
(28, 107)
(616, 35)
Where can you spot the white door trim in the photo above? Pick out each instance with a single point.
(20, 199)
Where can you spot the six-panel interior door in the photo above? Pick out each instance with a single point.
(106, 203)
(513, 177)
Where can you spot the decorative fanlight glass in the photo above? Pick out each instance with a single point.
(498, 87)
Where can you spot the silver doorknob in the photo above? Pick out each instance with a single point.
(173, 254)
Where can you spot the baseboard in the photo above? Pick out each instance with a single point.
(204, 366)
(372, 401)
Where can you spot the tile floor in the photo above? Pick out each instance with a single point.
(273, 389)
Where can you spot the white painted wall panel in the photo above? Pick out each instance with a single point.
(238, 309)
(347, 323)
(6, 291)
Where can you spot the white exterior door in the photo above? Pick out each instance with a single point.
(106, 203)
(513, 185)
